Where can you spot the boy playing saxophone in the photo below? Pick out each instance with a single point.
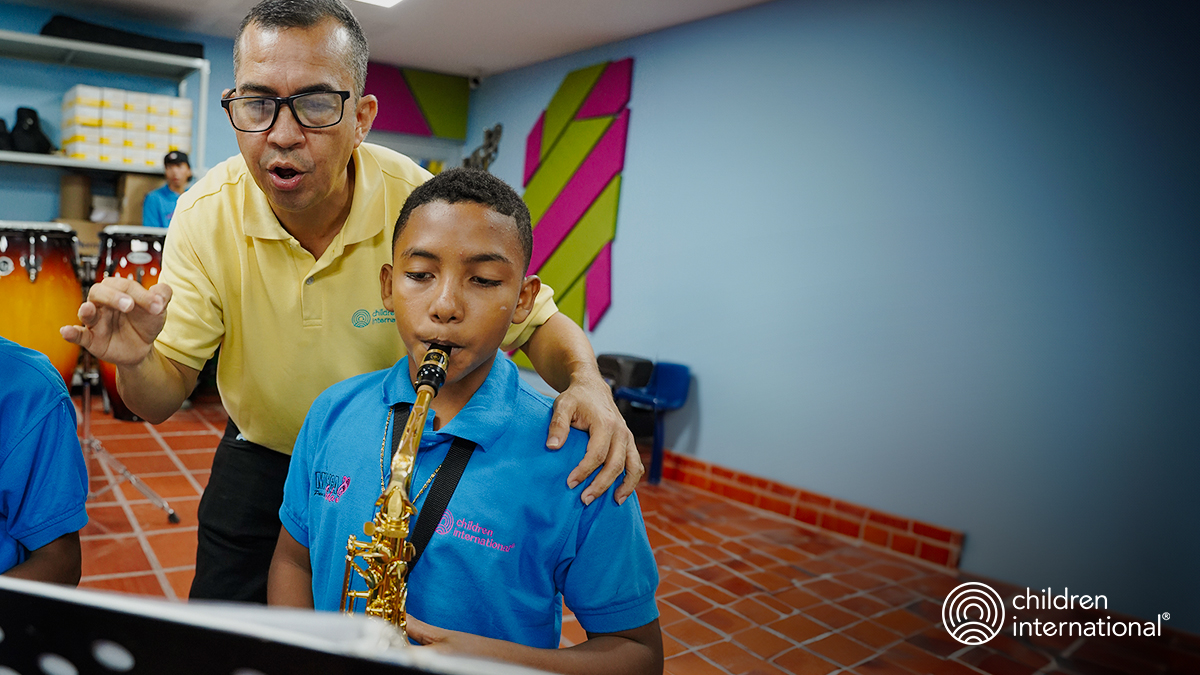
(493, 577)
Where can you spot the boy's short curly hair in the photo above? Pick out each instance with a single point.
(471, 185)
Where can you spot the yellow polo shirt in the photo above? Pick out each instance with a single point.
(289, 326)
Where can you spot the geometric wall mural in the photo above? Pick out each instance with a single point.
(419, 102)
(573, 161)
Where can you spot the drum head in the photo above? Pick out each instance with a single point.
(53, 229)
(134, 231)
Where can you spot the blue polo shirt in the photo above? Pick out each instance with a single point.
(513, 543)
(43, 479)
(158, 207)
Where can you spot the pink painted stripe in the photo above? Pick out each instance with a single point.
(533, 148)
(605, 161)
(398, 110)
(599, 286)
(611, 91)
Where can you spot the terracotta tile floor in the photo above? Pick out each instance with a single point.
(129, 545)
(742, 590)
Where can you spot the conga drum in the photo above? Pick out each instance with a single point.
(40, 290)
(134, 253)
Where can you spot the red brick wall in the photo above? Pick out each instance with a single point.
(931, 544)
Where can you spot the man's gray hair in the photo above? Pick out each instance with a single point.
(306, 14)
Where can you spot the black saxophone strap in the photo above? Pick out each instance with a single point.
(443, 486)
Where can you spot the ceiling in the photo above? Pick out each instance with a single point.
(463, 37)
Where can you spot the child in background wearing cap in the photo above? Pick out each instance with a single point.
(160, 204)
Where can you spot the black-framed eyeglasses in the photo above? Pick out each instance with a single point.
(312, 110)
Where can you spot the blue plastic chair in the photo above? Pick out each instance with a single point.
(667, 390)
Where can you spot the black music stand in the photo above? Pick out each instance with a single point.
(47, 628)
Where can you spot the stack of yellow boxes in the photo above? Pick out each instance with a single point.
(103, 124)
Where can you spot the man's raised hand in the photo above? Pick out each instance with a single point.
(120, 320)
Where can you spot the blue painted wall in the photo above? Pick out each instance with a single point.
(962, 244)
(31, 193)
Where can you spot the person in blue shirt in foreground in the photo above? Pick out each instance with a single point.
(43, 478)
(159, 205)
(512, 545)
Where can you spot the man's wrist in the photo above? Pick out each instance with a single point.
(585, 372)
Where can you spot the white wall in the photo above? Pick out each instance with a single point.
(929, 257)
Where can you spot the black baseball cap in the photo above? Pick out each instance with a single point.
(176, 157)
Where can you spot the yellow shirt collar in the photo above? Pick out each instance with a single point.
(259, 221)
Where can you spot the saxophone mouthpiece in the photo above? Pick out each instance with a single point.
(432, 372)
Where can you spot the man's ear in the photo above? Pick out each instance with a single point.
(385, 287)
(530, 288)
(368, 107)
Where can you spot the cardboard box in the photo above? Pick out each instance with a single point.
(74, 196)
(112, 98)
(137, 102)
(158, 123)
(78, 134)
(115, 118)
(87, 232)
(112, 136)
(89, 152)
(182, 143)
(158, 142)
(137, 121)
(132, 190)
(181, 107)
(111, 153)
(82, 94)
(81, 115)
(159, 104)
(135, 156)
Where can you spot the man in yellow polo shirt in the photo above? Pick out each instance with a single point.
(275, 256)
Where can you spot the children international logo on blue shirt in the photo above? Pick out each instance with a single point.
(363, 318)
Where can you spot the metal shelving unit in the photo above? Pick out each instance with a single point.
(79, 54)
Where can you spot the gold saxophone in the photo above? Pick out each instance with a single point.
(387, 554)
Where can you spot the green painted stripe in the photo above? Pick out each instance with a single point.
(575, 254)
(570, 151)
(443, 100)
(570, 95)
(572, 302)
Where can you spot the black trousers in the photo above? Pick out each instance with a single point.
(239, 521)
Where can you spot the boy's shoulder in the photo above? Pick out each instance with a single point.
(532, 411)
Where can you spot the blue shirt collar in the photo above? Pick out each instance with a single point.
(483, 420)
